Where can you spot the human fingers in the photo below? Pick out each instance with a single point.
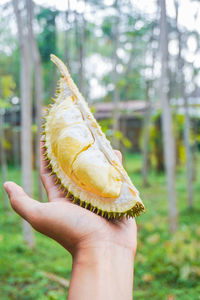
(24, 205)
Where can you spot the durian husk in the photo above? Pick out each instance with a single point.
(110, 208)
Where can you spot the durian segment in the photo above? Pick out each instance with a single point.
(70, 142)
(69, 134)
(125, 204)
(128, 201)
(70, 137)
(63, 114)
(72, 115)
(94, 173)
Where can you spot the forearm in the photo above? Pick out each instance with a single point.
(102, 273)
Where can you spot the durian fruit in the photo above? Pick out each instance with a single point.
(81, 157)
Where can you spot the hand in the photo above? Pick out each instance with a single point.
(93, 241)
(69, 224)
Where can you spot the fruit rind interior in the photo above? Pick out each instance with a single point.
(126, 201)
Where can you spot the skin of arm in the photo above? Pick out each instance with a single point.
(103, 251)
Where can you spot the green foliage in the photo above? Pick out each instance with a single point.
(165, 264)
(124, 140)
(4, 104)
(47, 38)
(7, 86)
(6, 145)
(107, 27)
(34, 128)
(22, 271)
(106, 126)
(156, 143)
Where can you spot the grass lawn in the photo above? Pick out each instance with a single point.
(167, 266)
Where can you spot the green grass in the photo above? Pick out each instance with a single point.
(166, 265)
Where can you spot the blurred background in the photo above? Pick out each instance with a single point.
(137, 64)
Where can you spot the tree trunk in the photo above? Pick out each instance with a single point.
(168, 139)
(39, 92)
(67, 40)
(189, 159)
(147, 119)
(15, 140)
(26, 118)
(3, 159)
(80, 34)
(26, 140)
(145, 155)
(116, 99)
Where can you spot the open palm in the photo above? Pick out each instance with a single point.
(70, 225)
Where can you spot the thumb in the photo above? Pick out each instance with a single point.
(20, 201)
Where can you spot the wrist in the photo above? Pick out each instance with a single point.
(108, 266)
(106, 251)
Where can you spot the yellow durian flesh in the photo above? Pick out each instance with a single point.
(93, 172)
(82, 158)
(71, 140)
